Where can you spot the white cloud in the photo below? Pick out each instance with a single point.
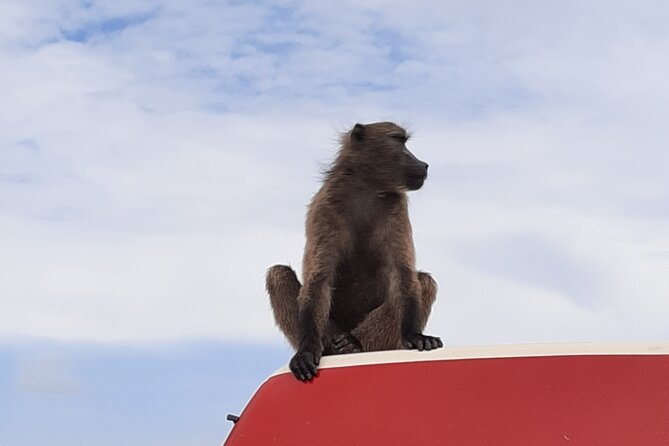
(156, 157)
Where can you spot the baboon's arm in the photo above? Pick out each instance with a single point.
(410, 290)
(413, 316)
(412, 325)
(320, 262)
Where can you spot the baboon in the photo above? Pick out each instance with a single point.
(361, 290)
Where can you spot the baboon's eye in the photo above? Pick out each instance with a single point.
(400, 137)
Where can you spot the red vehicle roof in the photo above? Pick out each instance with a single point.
(513, 395)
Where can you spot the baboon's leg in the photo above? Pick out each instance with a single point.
(428, 295)
(283, 287)
(380, 330)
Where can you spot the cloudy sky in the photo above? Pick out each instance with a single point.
(156, 157)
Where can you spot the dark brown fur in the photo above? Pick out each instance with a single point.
(361, 289)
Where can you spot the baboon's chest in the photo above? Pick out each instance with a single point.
(362, 276)
(360, 283)
(370, 248)
(368, 213)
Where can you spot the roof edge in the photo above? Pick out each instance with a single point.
(488, 352)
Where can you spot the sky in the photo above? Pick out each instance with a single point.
(157, 156)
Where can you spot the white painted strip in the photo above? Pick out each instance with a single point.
(495, 351)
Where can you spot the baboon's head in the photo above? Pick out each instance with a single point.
(380, 153)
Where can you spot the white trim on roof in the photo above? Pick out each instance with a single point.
(494, 351)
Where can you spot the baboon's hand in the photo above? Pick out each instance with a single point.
(422, 342)
(304, 365)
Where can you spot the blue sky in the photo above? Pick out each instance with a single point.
(86, 393)
(156, 157)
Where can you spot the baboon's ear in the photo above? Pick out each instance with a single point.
(358, 132)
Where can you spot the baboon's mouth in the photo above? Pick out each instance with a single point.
(414, 182)
(417, 177)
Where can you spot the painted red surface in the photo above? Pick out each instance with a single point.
(561, 400)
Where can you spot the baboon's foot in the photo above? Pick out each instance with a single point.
(422, 342)
(343, 343)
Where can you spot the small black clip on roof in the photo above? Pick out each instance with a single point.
(233, 418)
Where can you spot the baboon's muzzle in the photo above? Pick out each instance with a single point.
(416, 175)
(416, 172)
